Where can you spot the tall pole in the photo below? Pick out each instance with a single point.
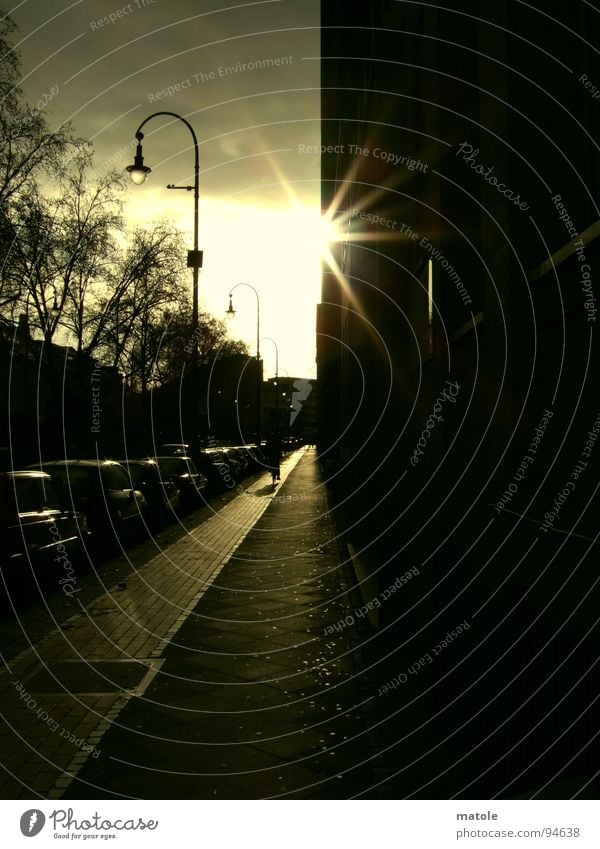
(196, 264)
(231, 312)
(138, 173)
(258, 375)
(276, 380)
(277, 388)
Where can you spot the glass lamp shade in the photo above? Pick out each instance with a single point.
(138, 171)
(137, 175)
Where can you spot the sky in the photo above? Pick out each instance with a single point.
(246, 76)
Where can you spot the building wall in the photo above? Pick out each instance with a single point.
(511, 336)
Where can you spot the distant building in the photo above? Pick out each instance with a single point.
(290, 406)
(227, 402)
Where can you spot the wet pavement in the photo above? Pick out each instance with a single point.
(210, 672)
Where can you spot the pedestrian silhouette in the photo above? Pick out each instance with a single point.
(273, 456)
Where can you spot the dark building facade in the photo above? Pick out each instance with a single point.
(55, 403)
(227, 410)
(457, 355)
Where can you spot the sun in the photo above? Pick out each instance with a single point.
(329, 233)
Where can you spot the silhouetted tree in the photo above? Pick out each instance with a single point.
(29, 149)
(28, 146)
(162, 340)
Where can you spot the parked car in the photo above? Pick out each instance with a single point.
(36, 531)
(256, 458)
(227, 466)
(175, 449)
(236, 463)
(241, 456)
(102, 490)
(162, 493)
(212, 464)
(182, 472)
(257, 455)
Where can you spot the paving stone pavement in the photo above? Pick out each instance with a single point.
(209, 675)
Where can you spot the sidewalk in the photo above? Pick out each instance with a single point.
(209, 675)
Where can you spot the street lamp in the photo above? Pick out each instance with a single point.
(138, 173)
(230, 312)
(276, 381)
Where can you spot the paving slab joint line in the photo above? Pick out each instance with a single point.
(76, 764)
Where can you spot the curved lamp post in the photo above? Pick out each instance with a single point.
(230, 312)
(276, 380)
(138, 173)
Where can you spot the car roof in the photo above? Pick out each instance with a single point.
(85, 463)
(143, 461)
(25, 473)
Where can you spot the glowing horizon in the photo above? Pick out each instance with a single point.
(277, 249)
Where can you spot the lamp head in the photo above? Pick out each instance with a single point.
(230, 310)
(138, 171)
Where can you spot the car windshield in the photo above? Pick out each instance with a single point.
(142, 472)
(172, 466)
(177, 466)
(85, 480)
(135, 471)
(114, 477)
(78, 479)
(34, 494)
